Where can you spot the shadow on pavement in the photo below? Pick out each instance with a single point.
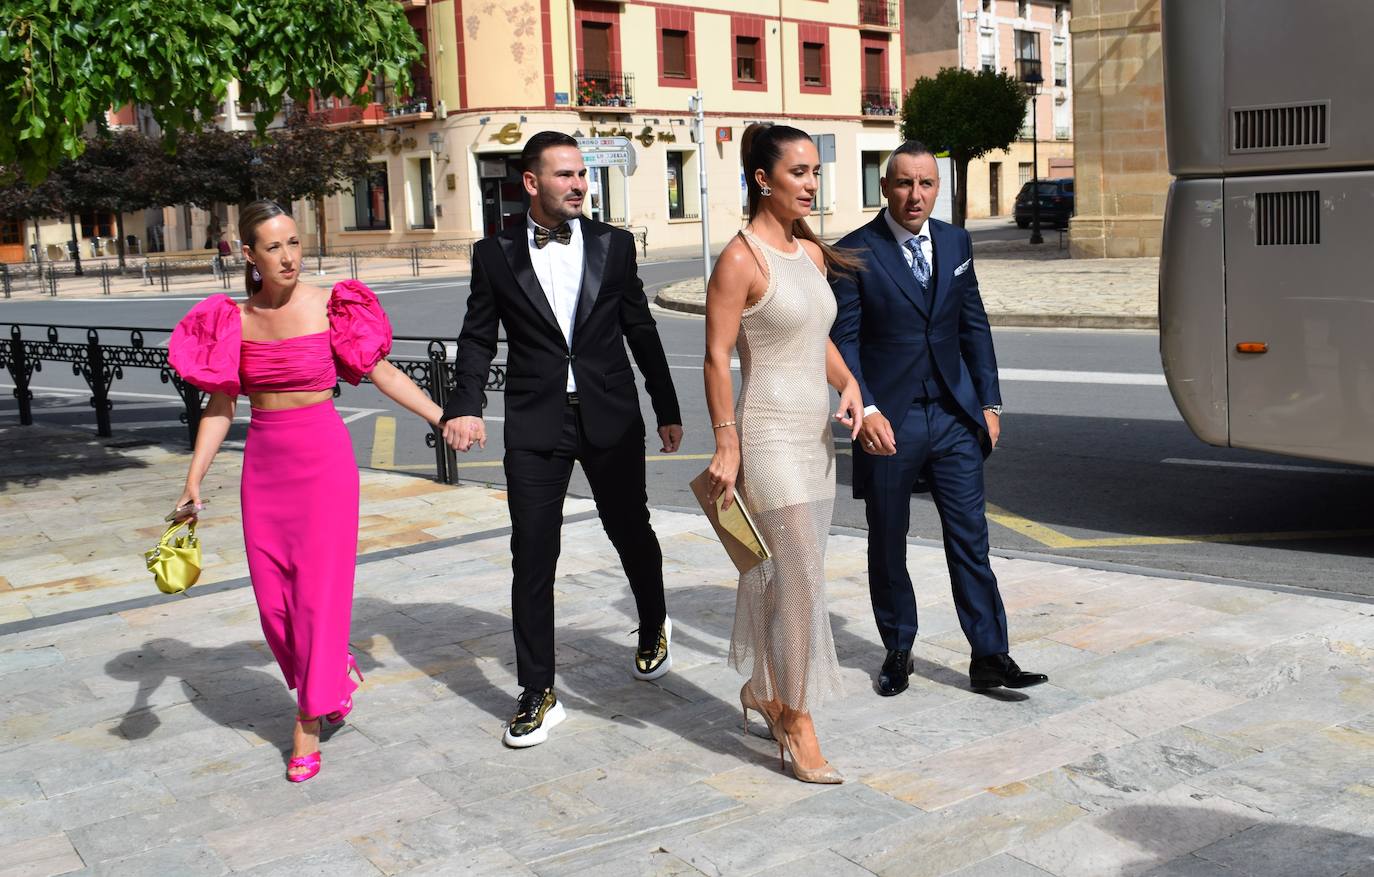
(221, 682)
(31, 455)
(1250, 845)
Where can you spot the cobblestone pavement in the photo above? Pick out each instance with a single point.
(1188, 729)
(1032, 286)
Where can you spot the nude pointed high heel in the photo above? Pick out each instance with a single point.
(825, 774)
(748, 702)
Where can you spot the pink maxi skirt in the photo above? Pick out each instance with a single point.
(300, 528)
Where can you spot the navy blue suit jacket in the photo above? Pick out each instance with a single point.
(883, 327)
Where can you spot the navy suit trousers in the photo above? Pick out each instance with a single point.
(936, 437)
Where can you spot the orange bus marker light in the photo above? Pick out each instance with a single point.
(1252, 347)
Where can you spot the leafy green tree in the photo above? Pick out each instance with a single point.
(64, 64)
(966, 114)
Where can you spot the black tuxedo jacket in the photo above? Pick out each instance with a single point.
(612, 311)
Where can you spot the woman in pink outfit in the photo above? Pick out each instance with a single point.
(286, 347)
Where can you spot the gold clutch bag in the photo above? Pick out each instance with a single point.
(734, 526)
(175, 560)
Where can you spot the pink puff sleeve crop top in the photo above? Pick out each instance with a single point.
(208, 350)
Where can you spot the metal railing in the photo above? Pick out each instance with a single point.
(882, 13)
(173, 272)
(879, 102)
(601, 88)
(101, 364)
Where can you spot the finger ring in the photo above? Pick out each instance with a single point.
(869, 444)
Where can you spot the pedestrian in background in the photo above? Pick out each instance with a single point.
(286, 347)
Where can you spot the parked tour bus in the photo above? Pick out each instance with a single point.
(1266, 286)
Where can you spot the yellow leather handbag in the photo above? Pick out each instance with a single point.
(175, 560)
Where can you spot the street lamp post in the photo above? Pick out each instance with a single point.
(1032, 80)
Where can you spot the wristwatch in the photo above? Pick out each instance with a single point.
(995, 409)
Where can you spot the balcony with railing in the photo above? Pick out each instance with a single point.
(386, 107)
(614, 92)
(880, 102)
(1062, 132)
(878, 13)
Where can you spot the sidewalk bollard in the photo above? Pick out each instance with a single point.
(319, 260)
(353, 264)
(52, 280)
(415, 261)
(165, 285)
(5, 277)
(105, 277)
(147, 276)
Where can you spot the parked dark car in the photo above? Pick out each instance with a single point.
(1056, 203)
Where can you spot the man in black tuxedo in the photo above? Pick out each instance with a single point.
(568, 293)
(912, 329)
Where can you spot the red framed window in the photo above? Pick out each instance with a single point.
(676, 49)
(748, 58)
(598, 37)
(874, 72)
(814, 57)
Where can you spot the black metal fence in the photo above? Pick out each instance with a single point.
(47, 277)
(101, 364)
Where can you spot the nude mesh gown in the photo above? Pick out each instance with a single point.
(782, 633)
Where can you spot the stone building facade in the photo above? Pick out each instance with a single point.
(1122, 172)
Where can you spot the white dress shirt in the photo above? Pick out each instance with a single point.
(559, 269)
(927, 249)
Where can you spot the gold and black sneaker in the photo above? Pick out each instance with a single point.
(653, 662)
(536, 712)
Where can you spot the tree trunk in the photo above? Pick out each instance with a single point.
(119, 237)
(319, 224)
(76, 246)
(960, 190)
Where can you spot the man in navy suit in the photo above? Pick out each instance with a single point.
(912, 329)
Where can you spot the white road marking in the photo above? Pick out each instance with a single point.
(1051, 376)
(1274, 467)
(1034, 375)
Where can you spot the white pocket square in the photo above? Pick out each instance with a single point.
(968, 263)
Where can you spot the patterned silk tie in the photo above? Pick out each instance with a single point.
(919, 266)
(562, 234)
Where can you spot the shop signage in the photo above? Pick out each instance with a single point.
(509, 134)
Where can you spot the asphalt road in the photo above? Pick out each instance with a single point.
(1095, 463)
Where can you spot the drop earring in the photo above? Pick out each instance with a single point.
(257, 277)
(765, 191)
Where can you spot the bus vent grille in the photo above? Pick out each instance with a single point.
(1295, 126)
(1287, 218)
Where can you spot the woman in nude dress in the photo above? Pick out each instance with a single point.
(769, 297)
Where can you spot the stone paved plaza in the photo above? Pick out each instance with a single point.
(1189, 728)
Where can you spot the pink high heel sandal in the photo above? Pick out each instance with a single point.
(310, 762)
(337, 717)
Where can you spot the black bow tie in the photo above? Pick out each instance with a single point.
(562, 234)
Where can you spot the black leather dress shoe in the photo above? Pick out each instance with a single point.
(895, 673)
(993, 671)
